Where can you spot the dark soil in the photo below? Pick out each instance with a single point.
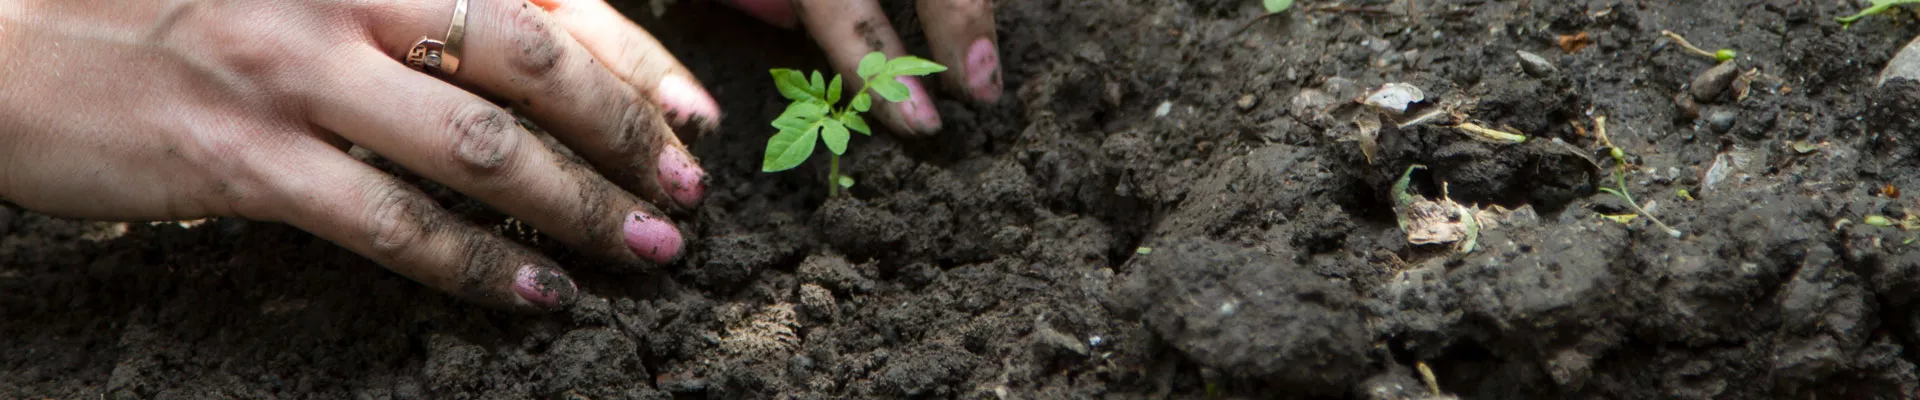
(1071, 243)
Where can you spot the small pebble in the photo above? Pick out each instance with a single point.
(1905, 64)
(1709, 84)
(1247, 101)
(1535, 65)
(1721, 120)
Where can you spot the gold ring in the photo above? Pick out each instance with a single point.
(438, 57)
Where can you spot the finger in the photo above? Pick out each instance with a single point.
(961, 35)
(848, 30)
(776, 12)
(515, 52)
(457, 139)
(638, 58)
(349, 203)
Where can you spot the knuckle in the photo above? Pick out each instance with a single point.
(485, 138)
(400, 218)
(537, 45)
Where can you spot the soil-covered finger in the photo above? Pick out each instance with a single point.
(637, 57)
(394, 224)
(961, 35)
(516, 53)
(479, 149)
(849, 29)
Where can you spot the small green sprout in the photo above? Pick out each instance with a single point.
(1143, 250)
(1724, 54)
(813, 112)
(1620, 180)
(1277, 6)
(1878, 7)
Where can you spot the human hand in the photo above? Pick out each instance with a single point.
(171, 110)
(960, 34)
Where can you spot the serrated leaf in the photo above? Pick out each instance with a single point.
(912, 66)
(833, 90)
(789, 148)
(818, 86)
(1274, 6)
(862, 102)
(872, 64)
(792, 84)
(857, 124)
(890, 89)
(835, 134)
(799, 114)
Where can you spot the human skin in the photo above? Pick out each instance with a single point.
(141, 110)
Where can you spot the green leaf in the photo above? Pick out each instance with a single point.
(857, 124)
(800, 114)
(789, 148)
(818, 86)
(912, 66)
(835, 135)
(792, 84)
(846, 182)
(890, 89)
(833, 90)
(1275, 6)
(872, 64)
(862, 102)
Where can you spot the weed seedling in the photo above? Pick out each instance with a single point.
(1620, 179)
(813, 112)
(1877, 7)
(1277, 6)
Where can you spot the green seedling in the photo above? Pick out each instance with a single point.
(1277, 6)
(1722, 55)
(1878, 6)
(815, 113)
(1620, 180)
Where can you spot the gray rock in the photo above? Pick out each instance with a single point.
(1709, 84)
(1535, 65)
(1721, 120)
(1905, 64)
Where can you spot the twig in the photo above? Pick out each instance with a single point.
(1495, 135)
(1684, 44)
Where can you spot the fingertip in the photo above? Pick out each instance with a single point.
(983, 71)
(653, 238)
(918, 112)
(687, 104)
(543, 288)
(681, 176)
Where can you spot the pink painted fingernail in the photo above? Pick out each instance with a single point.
(686, 102)
(681, 176)
(983, 70)
(543, 287)
(777, 12)
(918, 110)
(652, 238)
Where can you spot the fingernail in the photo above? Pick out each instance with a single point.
(652, 238)
(983, 70)
(686, 102)
(682, 177)
(543, 287)
(918, 110)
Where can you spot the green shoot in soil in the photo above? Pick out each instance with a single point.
(1878, 7)
(1276, 6)
(1620, 175)
(813, 113)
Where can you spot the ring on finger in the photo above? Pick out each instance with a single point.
(441, 57)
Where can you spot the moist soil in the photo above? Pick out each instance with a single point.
(1169, 202)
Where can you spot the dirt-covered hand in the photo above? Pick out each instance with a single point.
(959, 32)
(175, 109)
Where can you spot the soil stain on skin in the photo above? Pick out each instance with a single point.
(1078, 243)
